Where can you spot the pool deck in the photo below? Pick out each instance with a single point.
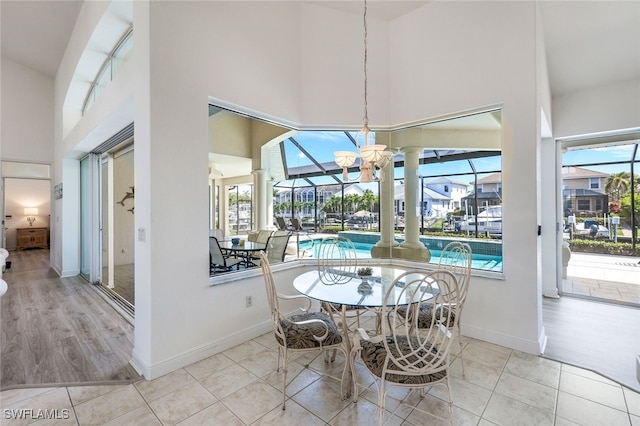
(615, 278)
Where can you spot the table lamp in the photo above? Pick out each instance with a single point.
(31, 213)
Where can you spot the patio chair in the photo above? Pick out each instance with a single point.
(282, 225)
(263, 236)
(296, 226)
(275, 247)
(218, 262)
(302, 332)
(406, 356)
(217, 233)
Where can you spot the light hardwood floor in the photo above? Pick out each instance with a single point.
(58, 330)
(600, 337)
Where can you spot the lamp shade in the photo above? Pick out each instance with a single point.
(345, 158)
(372, 153)
(30, 211)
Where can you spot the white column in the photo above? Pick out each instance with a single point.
(212, 204)
(260, 194)
(554, 255)
(386, 208)
(269, 195)
(224, 209)
(384, 247)
(411, 186)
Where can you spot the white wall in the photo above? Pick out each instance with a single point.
(456, 56)
(26, 125)
(88, 18)
(331, 69)
(262, 66)
(601, 109)
(283, 59)
(113, 112)
(26, 122)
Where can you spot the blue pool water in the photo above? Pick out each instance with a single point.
(484, 262)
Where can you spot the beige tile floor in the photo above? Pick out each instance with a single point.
(240, 387)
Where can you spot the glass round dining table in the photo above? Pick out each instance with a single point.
(345, 290)
(345, 287)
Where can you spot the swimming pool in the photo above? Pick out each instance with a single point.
(483, 262)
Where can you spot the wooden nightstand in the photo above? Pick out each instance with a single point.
(31, 238)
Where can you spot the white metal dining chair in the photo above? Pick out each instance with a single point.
(338, 260)
(456, 258)
(406, 356)
(302, 332)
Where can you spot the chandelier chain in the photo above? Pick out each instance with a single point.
(372, 156)
(366, 113)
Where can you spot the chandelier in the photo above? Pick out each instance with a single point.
(372, 156)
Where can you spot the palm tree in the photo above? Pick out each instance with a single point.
(617, 185)
(351, 202)
(333, 205)
(369, 199)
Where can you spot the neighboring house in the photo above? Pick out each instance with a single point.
(433, 203)
(452, 189)
(358, 189)
(488, 193)
(306, 196)
(583, 192)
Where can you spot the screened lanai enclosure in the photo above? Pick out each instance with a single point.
(453, 184)
(601, 215)
(459, 177)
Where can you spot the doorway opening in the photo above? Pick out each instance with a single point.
(108, 220)
(601, 214)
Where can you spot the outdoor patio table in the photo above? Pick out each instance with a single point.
(245, 250)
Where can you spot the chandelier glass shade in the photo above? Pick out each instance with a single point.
(373, 153)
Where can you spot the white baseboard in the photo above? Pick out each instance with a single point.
(67, 273)
(151, 372)
(529, 346)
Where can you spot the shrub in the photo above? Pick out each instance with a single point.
(602, 247)
(332, 229)
(438, 233)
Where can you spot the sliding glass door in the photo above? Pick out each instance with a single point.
(118, 212)
(107, 222)
(89, 218)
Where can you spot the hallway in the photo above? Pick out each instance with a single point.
(59, 330)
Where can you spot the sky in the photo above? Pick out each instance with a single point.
(589, 158)
(322, 144)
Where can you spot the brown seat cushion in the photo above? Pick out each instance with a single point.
(300, 336)
(374, 355)
(425, 313)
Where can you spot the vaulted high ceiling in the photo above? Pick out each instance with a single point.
(589, 43)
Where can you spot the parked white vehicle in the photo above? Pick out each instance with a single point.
(489, 221)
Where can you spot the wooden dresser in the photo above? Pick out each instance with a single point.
(32, 238)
